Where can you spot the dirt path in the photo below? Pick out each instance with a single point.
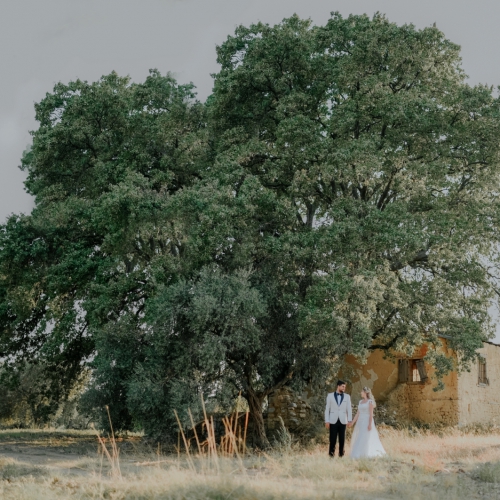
(60, 452)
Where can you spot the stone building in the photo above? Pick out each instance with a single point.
(404, 391)
(405, 386)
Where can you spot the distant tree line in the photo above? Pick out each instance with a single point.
(338, 192)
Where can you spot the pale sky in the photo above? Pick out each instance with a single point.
(46, 41)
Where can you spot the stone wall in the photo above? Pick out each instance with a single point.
(379, 374)
(480, 403)
(406, 401)
(429, 406)
(395, 408)
(290, 407)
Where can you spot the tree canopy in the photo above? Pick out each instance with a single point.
(338, 192)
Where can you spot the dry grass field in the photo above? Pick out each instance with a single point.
(449, 464)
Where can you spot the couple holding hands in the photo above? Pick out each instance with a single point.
(365, 442)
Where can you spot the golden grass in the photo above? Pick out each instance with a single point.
(453, 464)
(434, 450)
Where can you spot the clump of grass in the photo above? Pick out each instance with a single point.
(282, 438)
(10, 470)
(480, 429)
(488, 472)
(365, 465)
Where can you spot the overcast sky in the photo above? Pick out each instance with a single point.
(46, 41)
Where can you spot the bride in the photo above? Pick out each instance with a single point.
(365, 441)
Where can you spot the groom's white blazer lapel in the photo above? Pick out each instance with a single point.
(338, 410)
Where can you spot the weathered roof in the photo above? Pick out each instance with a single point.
(485, 341)
(492, 343)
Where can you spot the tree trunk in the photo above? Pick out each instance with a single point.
(255, 405)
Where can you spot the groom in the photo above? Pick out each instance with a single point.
(338, 415)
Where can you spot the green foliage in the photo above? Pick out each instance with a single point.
(384, 159)
(337, 193)
(28, 398)
(488, 472)
(104, 165)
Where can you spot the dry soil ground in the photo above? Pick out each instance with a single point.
(450, 464)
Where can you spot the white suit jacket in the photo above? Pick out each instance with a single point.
(334, 411)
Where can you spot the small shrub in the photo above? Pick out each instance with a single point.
(488, 472)
(10, 470)
(282, 438)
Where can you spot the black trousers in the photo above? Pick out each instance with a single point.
(337, 429)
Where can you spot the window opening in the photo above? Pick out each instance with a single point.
(412, 370)
(483, 378)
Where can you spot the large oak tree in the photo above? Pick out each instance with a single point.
(363, 174)
(337, 193)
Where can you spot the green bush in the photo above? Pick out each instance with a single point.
(488, 472)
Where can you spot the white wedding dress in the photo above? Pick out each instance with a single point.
(365, 443)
